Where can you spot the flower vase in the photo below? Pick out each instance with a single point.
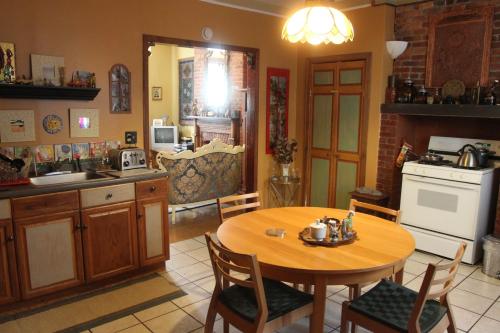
(285, 170)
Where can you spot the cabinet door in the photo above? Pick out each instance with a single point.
(49, 253)
(109, 240)
(153, 230)
(9, 288)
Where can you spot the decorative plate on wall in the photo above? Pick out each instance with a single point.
(52, 124)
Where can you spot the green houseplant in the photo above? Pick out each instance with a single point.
(283, 151)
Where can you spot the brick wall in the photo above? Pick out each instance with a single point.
(411, 24)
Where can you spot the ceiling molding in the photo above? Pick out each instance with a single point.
(281, 8)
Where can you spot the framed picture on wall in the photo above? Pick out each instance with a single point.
(186, 88)
(277, 90)
(119, 89)
(156, 93)
(84, 123)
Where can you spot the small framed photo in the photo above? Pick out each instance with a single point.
(46, 70)
(157, 122)
(156, 93)
(84, 123)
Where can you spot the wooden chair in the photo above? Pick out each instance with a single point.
(386, 213)
(236, 203)
(254, 304)
(390, 307)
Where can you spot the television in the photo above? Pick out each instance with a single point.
(163, 138)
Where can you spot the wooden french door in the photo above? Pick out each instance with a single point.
(335, 159)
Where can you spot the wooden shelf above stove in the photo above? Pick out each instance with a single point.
(444, 110)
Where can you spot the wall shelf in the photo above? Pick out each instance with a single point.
(40, 92)
(444, 110)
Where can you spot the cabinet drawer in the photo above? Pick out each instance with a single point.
(5, 209)
(107, 195)
(45, 204)
(151, 189)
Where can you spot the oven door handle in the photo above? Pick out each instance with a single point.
(448, 183)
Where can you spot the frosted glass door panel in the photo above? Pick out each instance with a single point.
(346, 182)
(322, 121)
(320, 178)
(323, 78)
(349, 111)
(350, 76)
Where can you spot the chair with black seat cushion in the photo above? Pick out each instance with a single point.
(251, 303)
(232, 204)
(391, 307)
(383, 212)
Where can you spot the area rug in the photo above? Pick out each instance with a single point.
(83, 312)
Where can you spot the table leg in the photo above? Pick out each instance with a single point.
(317, 318)
(399, 276)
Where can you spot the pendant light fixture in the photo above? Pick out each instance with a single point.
(318, 22)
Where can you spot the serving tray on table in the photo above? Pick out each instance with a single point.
(305, 235)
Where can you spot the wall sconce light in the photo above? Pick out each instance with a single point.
(395, 48)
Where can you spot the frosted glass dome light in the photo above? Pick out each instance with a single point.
(318, 23)
(396, 48)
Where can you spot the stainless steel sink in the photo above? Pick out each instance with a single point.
(67, 178)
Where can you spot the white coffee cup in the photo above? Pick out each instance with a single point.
(318, 230)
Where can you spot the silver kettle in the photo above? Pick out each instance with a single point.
(468, 157)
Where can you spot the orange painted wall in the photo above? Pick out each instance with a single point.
(372, 27)
(95, 34)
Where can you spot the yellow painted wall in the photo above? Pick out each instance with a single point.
(372, 27)
(163, 72)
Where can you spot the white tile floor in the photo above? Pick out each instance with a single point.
(475, 297)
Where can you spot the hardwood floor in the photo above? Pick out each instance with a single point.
(194, 222)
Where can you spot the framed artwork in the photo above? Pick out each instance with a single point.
(17, 126)
(83, 123)
(97, 149)
(277, 90)
(44, 153)
(119, 89)
(46, 70)
(7, 62)
(156, 93)
(63, 152)
(186, 88)
(459, 47)
(81, 151)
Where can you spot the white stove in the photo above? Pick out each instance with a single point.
(442, 205)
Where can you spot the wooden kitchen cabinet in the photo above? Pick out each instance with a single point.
(49, 253)
(9, 288)
(109, 240)
(152, 218)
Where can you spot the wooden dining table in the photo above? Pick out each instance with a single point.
(380, 250)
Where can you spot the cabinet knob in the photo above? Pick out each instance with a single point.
(10, 238)
(139, 216)
(83, 226)
(152, 188)
(109, 196)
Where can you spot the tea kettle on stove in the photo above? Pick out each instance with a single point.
(468, 157)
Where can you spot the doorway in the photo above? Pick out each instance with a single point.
(237, 115)
(336, 122)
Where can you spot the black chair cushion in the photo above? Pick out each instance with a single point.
(280, 298)
(392, 304)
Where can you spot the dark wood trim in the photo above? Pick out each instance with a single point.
(41, 92)
(367, 58)
(444, 110)
(8, 273)
(252, 115)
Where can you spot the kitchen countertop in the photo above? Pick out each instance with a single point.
(29, 190)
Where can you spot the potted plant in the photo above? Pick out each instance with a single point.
(283, 153)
